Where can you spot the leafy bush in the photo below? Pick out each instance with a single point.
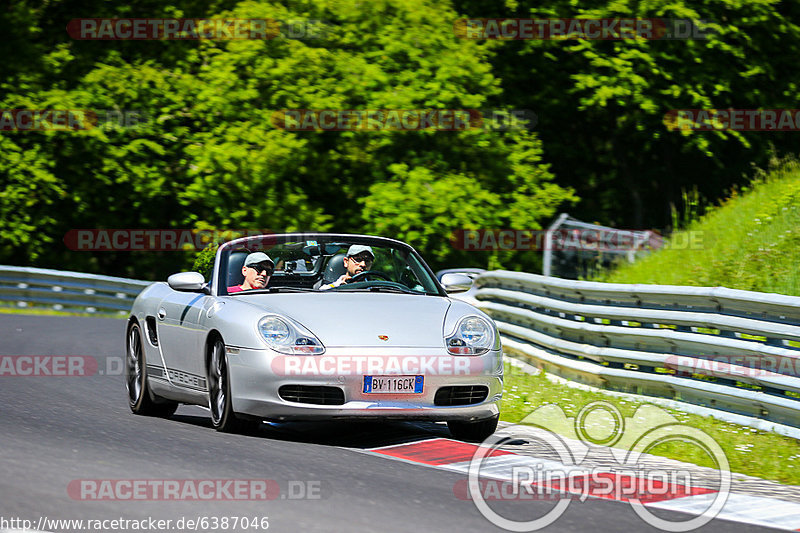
(204, 261)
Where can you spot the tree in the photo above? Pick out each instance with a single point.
(601, 104)
(208, 155)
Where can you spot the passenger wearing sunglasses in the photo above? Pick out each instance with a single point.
(257, 269)
(359, 259)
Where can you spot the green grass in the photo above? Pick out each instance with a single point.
(751, 242)
(749, 451)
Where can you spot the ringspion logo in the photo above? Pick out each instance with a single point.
(573, 476)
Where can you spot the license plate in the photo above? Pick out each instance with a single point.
(393, 384)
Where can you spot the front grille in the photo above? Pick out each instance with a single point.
(312, 394)
(461, 395)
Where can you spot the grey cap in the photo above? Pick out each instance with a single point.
(358, 248)
(256, 258)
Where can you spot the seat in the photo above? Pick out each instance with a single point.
(235, 263)
(334, 269)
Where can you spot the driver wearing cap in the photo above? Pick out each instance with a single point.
(359, 259)
(257, 269)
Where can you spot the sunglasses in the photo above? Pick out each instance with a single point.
(363, 258)
(260, 267)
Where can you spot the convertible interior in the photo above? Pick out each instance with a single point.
(300, 265)
(300, 272)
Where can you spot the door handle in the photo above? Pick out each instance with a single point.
(162, 313)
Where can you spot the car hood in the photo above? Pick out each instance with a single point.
(358, 319)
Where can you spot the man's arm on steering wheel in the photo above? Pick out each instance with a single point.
(344, 278)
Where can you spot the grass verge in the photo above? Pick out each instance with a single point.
(749, 451)
(751, 242)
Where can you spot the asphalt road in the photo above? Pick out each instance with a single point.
(55, 431)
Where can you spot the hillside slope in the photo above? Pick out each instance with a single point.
(751, 242)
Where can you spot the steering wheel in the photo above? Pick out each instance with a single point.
(366, 273)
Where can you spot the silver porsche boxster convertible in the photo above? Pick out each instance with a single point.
(315, 326)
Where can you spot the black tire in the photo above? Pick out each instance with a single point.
(141, 399)
(223, 418)
(473, 431)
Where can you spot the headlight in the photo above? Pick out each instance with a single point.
(473, 336)
(288, 337)
(274, 330)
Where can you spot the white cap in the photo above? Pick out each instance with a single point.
(256, 258)
(358, 248)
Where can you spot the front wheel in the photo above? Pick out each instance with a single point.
(219, 387)
(140, 398)
(473, 431)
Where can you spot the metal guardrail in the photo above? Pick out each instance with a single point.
(67, 291)
(733, 350)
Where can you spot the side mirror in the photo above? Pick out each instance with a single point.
(455, 282)
(187, 282)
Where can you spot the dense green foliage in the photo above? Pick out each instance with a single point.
(750, 242)
(204, 262)
(207, 156)
(601, 103)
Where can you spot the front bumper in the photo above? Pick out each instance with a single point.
(257, 375)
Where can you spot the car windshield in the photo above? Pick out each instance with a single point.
(325, 263)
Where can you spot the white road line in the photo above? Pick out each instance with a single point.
(755, 510)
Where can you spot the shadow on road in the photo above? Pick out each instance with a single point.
(342, 433)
